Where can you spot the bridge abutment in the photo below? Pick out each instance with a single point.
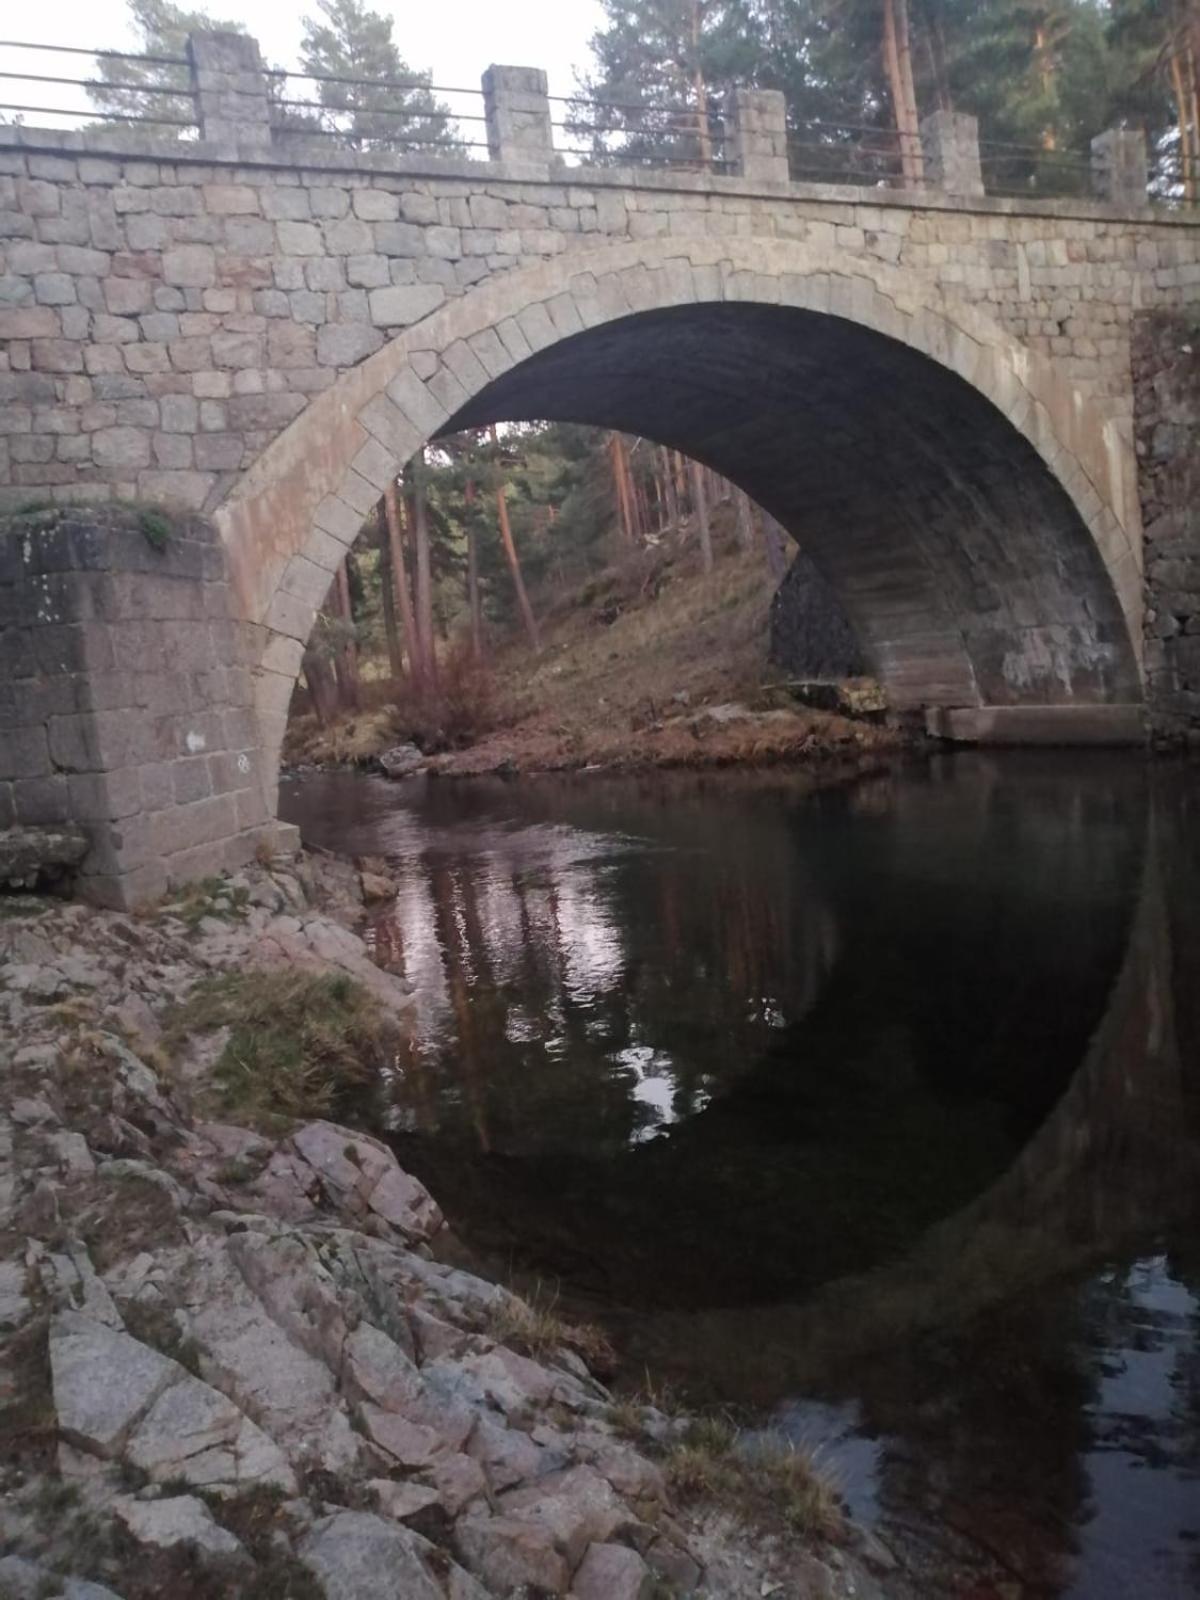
(126, 698)
(1166, 381)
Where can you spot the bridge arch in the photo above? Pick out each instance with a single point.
(974, 510)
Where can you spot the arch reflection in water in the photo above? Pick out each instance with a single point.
(686, 1012)
(885, 1096)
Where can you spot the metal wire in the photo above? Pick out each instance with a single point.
(370, 83)
(96, 83)
(381, 111)
(77, 50)
(389, 138)
(110, 116)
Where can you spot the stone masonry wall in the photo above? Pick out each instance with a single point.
(125, 700)
(163, 316)
(1166, 378)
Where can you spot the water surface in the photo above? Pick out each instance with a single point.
(872, 1110)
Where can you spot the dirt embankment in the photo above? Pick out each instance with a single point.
(651, 663)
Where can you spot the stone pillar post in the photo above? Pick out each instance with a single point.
(516, 102)
(230, 84)
(950, 144)
(758, 146)
(1119, 168)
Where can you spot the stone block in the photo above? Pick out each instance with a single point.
(24, 753)
(344, 344)
(299, 239)
(121, 449)
(42, 801)
(190, 266)
(398, 306)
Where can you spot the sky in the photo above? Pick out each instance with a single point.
(457, 39)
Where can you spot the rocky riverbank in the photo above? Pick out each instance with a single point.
(239, 1362)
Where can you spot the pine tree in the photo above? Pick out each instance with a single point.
(662, 71)
(161, 29)
(390, 104)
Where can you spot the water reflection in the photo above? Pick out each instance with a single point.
(885, 1096)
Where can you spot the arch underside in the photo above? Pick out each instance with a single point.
(962, 564)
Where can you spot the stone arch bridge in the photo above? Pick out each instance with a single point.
(933, 390)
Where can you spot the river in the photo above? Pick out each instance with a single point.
(871, 1113)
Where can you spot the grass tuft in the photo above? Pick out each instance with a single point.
(208, 897)
(300, 1044)
(758, 1482)
(535, 1328)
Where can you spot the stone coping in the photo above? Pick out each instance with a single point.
(145, 147)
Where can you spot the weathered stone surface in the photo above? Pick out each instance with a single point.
(364, 1176)
(181, 1520)
(611, 1572)
(401, 761)
(104, 1382)
(29, 856)
(575, 1508)
(356, 1556)
(511, 1556)
(193, 1433)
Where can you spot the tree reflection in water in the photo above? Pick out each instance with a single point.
(885, 1094)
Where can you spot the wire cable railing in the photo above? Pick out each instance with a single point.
(854, 154)
(132, 101)
(638, 133)
(377, 115)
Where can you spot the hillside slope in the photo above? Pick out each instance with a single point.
(651, 662)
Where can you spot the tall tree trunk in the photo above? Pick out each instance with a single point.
(704, 138)
(424, 570)
(745, 520)
(387, 596)
(400, 588)
(897, 55)
(1045, 71)
(347, 656)
(669, 490)
(616, 450)
(773, 538)
(510, 555)
(935, 44)
(322, 687)
(700, 506)
(1183, 47)
(474, 602)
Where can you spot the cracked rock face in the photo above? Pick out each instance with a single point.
(242, 1352)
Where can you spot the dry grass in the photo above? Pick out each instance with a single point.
(464, 706)
(300, 1044)
(535, 1328)
(769, 1483)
